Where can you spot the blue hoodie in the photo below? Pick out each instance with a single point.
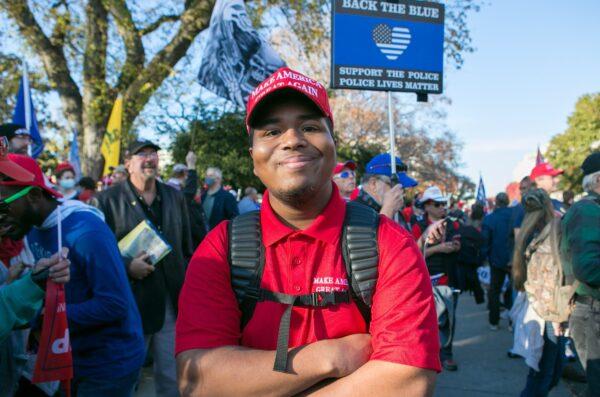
(104, 323)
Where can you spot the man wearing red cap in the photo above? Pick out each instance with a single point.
(105, 328)
(302, 300)
(345, 178)
(546, 177)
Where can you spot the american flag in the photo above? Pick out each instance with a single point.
(391, 41)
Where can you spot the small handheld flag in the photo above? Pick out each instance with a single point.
(539, 159)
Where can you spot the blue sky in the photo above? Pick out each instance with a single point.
(534, 59)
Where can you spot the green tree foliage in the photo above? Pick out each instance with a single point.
(219, 140)
(569, 149)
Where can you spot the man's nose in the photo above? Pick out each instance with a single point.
(293, 138)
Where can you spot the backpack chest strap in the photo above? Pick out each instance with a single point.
(316, 299)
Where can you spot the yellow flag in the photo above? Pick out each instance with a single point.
(111, 144)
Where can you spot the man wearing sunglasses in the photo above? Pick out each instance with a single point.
(442, 257)
(345, 178)
(104, 323)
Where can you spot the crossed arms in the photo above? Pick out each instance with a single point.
(235, 370)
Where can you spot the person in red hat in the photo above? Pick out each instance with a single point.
(105, 329)
(65, 179)
(299, 328)
(345, 178)
(546, 177)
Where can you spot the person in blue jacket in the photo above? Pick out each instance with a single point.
(496, 230)
(104, 323)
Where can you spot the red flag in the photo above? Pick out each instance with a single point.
(539, 159)
(54, 360)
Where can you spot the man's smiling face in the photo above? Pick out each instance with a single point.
(292, 147)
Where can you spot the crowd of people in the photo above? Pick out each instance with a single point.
(324, 284)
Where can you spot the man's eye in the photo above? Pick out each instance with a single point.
(273, 132)
(310, 128)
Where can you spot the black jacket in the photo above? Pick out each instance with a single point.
(123, 212)
(224, 208)
(198, 223)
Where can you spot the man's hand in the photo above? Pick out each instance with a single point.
(448, 247)
(393, 200)
(59, 267)
(139, 268)
(436, 232)
(14, 272)
(349, 353)
(190, 160)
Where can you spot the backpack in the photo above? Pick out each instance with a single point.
(247, 259)
(548, 291)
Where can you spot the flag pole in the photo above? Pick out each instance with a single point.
(27, 100)
(392, 135)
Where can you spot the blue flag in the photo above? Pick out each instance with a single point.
(74, 156)
(20, 117)
(481, 196)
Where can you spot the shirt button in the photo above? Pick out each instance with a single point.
(297, 288)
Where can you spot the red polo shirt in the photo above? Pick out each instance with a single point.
(403, 325)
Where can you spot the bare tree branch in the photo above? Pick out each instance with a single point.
(52, 57)
(158, 23)
(134, 49)
(193, 20)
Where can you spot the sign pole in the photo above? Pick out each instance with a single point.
(392, 135)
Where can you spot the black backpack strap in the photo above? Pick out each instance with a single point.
(361, 254)
(246, 261)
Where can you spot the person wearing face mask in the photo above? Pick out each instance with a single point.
(218, 204)
(65, 180)
(379, 191)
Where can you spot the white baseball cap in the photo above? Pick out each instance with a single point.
(433, 193)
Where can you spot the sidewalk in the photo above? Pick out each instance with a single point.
(484, 368)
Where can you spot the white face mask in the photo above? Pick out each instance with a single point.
(67, 183)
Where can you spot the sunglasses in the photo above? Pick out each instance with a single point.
(4, 203)
(345, 174)
(438, 204)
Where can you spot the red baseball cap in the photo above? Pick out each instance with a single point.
(62, 167)
(544, 169)
(32, 168)
(286, 78)
(340, 166)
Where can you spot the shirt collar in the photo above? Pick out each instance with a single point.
(326, 227)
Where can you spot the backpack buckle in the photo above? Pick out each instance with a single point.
(254, 294)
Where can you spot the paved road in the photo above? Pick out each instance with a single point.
(484, 368)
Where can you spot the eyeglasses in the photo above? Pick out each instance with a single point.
(345, 174)
(147, 154)
(438, 204)
(385, 179)
(4, 203)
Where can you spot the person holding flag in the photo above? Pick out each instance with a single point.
(104, 326)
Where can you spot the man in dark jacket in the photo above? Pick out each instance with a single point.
(496, 230)
(155, 287)
(218, 204)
